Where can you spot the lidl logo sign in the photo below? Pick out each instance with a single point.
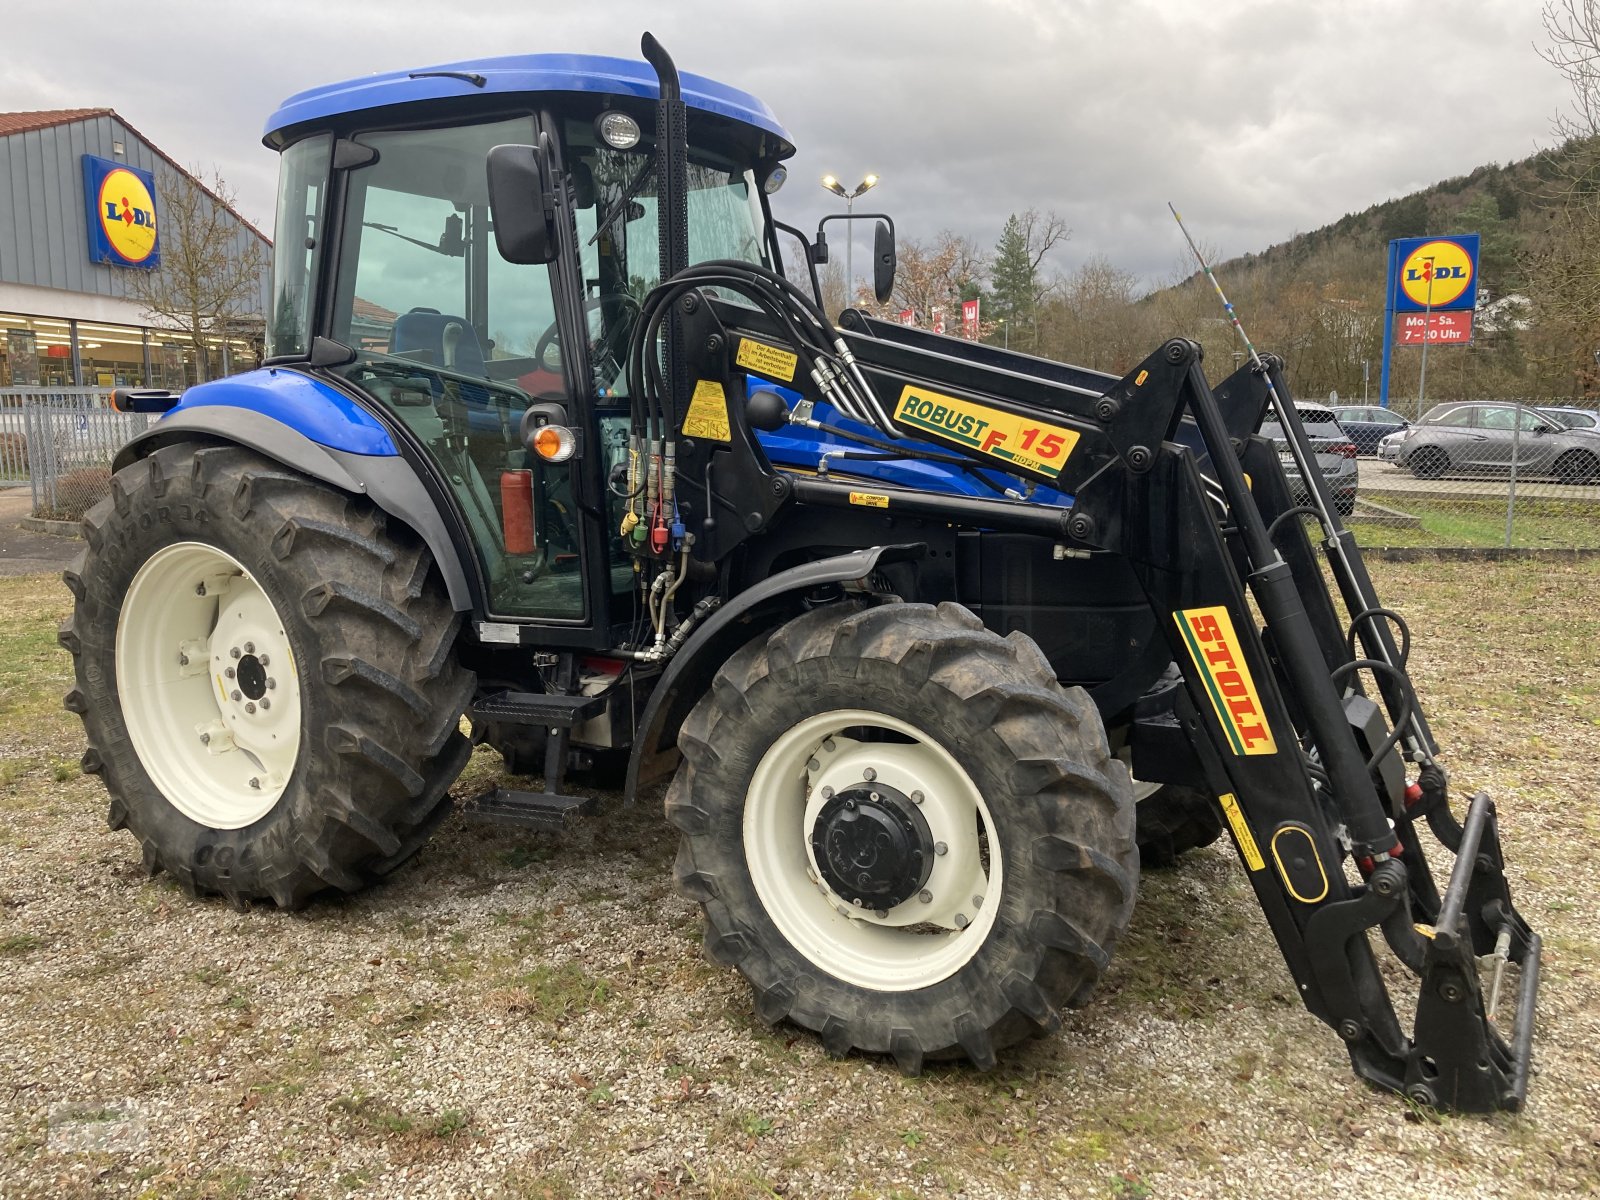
(121, 208)
(1435, 273)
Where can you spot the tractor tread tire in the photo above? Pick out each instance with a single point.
(1173, 820)
(373, 633)
(1062, 807)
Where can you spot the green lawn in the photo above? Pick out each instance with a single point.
(1468, 521)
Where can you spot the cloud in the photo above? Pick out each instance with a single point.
(1257, 117)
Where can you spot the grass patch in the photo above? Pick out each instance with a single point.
(17, 944)
(553, 993)
(1467, 521)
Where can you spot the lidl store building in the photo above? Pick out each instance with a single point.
(82, 229)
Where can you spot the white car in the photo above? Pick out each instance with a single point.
(1389, 446)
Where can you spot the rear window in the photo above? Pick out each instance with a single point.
(1319, 416)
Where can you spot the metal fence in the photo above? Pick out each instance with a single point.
(60, 442)
(1482, 474)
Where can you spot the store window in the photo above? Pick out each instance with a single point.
(111, 355)
(34, 352)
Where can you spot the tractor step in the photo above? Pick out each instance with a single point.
(539, 810)
(537, 708)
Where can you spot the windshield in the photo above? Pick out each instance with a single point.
(615, 193)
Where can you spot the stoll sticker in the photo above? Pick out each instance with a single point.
(1020, 441)
(708, 413)
(1208, 632)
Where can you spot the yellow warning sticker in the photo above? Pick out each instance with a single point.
(1241, 832)
(766, 360)
(1208, 632)
(708, 412)
(1019, 441)
(869, 499)
(1138, 380)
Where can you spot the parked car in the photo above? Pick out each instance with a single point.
(1368, 424)
(1336, 455)
(1389, 446)
(1573, 418)
(1479, 439)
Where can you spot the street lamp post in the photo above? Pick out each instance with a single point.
(849, 198)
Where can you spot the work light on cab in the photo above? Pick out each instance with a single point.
(617, 130)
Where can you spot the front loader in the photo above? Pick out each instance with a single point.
(897, 612)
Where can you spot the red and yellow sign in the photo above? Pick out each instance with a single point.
(1208, 632)
(1436, 273)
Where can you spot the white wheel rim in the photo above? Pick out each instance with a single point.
(916, 944)
(208, 685)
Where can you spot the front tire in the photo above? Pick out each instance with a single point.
(823, 766)
(1429, 463)
(266, 675)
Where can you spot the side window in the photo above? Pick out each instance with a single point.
(1497, 418)
(1528, 420)
(1456, 418)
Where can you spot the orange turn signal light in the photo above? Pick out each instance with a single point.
(554, 443)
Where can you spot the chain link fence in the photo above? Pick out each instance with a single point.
(1477, 474)
(60, 443)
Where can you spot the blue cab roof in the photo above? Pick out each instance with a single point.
(518, 73)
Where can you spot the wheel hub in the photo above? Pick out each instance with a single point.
(252, 677)
(872, 846)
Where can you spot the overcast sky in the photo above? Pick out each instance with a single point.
(1258, 118)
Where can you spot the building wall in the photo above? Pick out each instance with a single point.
(44, 232)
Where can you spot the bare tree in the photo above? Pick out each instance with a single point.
(929, 277)
(211, 265)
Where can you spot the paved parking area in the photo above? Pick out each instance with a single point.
(1386, 477)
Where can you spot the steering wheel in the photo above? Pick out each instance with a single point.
(605, 350)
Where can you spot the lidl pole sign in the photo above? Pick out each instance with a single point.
(120, 203)
(1433, 276)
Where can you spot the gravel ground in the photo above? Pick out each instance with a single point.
(530, 1016)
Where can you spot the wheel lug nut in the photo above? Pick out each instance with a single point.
(249, 647)
(813, 765)
(925, 896)
(236, 696)
(229, 672)
(263, 659)
(265, 703)
(961, 921)
(827, 792)
(271, 683)
(869, 774)
(917, 797)
(250, 707)
(233, 652)
(830, 745)
(977, 902)
(940, 848)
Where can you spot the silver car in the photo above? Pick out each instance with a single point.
(1480, 439)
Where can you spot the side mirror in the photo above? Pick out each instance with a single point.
(522, 202)
(883, 262)
(818, 250)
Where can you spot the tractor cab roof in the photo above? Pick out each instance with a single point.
(518, 73)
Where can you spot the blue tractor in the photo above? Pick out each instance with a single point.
(546, 438)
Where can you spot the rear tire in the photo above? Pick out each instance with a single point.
(1174, 819)
(1021, 909)
(1577, 467)
(196, 543)
(1429, 463)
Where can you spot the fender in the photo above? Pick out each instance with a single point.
(749, 614)
(308, 426)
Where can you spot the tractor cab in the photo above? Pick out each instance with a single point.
(386, 244)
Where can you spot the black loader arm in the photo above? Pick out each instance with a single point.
(1308, 770)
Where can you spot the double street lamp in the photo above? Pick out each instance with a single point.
(849, 198)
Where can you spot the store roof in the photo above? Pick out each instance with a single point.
(27, 122)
